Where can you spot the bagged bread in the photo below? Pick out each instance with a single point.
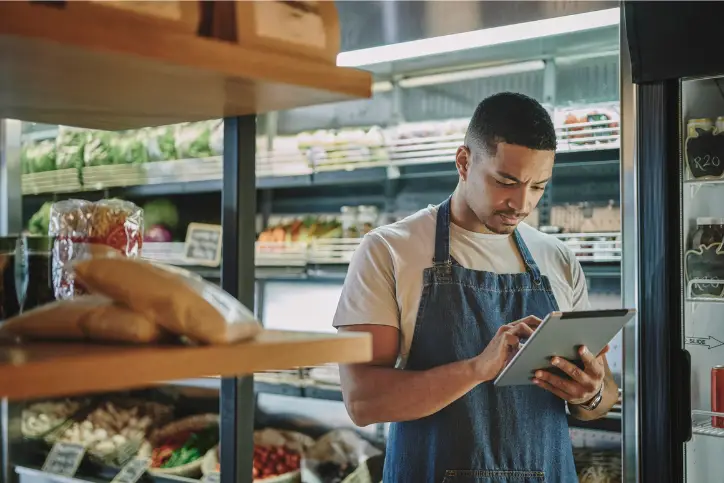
(171, 297)
(88, 317)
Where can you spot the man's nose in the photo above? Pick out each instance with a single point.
(519, 200)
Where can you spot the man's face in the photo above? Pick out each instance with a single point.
(503, 189)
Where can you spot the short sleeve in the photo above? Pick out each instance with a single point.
(578, 282)
(368, 295)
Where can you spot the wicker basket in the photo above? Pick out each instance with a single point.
(269, 437)
(192, 423)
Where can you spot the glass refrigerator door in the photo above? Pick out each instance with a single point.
(702, 221)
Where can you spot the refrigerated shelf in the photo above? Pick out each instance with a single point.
(702, 424)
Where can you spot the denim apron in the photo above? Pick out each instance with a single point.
(515, 434)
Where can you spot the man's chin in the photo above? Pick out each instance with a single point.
(502, 229)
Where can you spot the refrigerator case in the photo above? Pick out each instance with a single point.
(675, 175)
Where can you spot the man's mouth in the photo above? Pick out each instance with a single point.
(510, 218)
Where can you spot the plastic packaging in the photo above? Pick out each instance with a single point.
(78, 223)
(89, 317)
(174, 298)
(339, 455)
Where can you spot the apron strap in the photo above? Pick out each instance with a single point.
(442, 234)
(530, 264)
(442, 243)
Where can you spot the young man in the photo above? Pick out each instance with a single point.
(447, 293)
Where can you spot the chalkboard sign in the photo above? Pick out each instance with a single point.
(213, 477)
(706, 263)
(705, 154)
(203, 244)
(132, 471)
(64, 459)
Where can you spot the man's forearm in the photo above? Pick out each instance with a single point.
(384, 394)
(610, 397)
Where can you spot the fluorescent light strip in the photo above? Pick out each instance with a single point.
(480, 38)
(463, 75)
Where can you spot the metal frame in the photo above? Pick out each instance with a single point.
(238, 218)
(629, 266)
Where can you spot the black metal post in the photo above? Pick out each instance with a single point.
(238, 202)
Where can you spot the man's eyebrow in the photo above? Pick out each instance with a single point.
(513, 178)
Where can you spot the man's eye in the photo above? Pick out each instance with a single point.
(503, 183)
(539, 188)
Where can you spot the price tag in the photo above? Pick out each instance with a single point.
(203, 244)
(705, 155)
(213, 477)
(64, 459)
(132, 471)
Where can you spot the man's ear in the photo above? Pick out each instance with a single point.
(463, 158)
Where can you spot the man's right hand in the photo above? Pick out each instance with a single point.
(501, 349)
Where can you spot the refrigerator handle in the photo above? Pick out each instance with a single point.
(684, 420)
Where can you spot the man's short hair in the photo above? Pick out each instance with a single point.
(511, 118)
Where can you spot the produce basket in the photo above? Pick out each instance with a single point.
(43, 421)
(193, 425)
(298, 442)
(597, 466)
(112, 431)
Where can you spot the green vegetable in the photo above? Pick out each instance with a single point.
(38, 157)
(160, 143)
(97, 150)
(160, 212)
(129, 148)
(39, 222)
(69, 147)
(194, 448)
(193, 140)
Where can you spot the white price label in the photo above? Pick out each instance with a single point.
(213, 477)
(64, 459)
(132, 471)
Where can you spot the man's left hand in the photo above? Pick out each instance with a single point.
(583, 384)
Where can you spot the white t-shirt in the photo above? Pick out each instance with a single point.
(384, 281)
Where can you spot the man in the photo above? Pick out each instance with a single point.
(447, 293)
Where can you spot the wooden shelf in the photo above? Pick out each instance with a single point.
(88, 66)
(57, 369)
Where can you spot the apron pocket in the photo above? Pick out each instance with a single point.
(494, 476)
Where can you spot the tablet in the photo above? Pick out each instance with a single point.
(561, 334)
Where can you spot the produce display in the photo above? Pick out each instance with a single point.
(76, 223)
(184, 447)
(160, 219)
(274, 461)
(40, 221)
(41, 418)
(302, 230)
(107, 429)
(38, 157)
(605, 123)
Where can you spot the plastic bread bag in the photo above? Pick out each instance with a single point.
(88, 317)
(339, 454)
(78, 225)
(173, 298)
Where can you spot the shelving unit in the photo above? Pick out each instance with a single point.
(84, 65)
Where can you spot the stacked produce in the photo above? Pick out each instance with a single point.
(41, 418)
(605, 121)
(331, 147)
(274, 461)
(302, 230)
(78, 148)
(113, 432)
(160, 220)
(77, 224)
